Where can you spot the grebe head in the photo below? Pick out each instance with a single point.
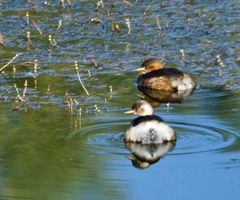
(149, 65)
(142, 108)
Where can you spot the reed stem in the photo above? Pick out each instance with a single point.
(78, 75)
(18, 54)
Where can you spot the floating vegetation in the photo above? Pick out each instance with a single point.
(52, 41)
(46, 3)
(64, 4)
(126, 32)
(182, 53)
(59, 24)
(20, 99)
(96, 20)
(96, 108)
(221, 64)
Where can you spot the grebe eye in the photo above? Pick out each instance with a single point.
(138, 107)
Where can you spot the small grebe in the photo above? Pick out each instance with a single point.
(147, 128)
(154, 75)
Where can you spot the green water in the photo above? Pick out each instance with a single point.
(61, 143)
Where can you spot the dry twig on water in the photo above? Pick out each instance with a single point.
(162, 56)
(20, 98)
(110, 89)
(1, 39)
(69, 3)
(78, 75)
(128, 3)
(158, 22)
(147, 9)
(59, 24)
(182, 53)
(29, 36)
(24, 90)
(37, 27)
(18, 54)
(62, 3)
(27, 19)
(128, 24)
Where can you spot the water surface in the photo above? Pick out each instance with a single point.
(63, 144)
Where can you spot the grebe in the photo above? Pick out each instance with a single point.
(153, 75)
(147, 128)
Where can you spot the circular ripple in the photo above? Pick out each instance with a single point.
(196, 138)
(104, 136)
(198, 135)
(106, 139)
(212, 92)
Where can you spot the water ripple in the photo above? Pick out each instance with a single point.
(196, 138)
(103, 137)
(192, 137)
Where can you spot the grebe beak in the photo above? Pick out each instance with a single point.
(140, 69)
(130, 157)
(129, 112)
(141, 96)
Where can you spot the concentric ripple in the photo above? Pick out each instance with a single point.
(197, 136)
(194, 136)
(103, 137)
(217, 91)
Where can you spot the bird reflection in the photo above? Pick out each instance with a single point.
(165, 96)
(144, 155)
